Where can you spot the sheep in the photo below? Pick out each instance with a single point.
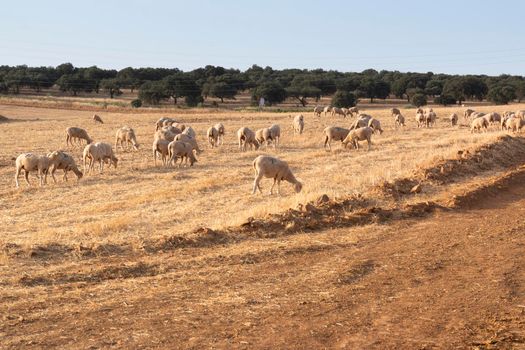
(478, 123)
(468, 113)
(263, 136)
(126, 136)
(453, 119)
(97, 119)
(327, 109)
(167, 133)
(275, 131)
(360, 134)
(179, 126)
(183, 150)
(520, 114)
(420, 120)
(505, 119)
(31, 162)
(334, 133)
(493, 118)
(361, 121)
(213, 136)
(338, 111)
(476, 115)
(271, 167)
(188, 139)
(245, 137)
(353, 110)
(375, 125)
(515, 124)
(164, 121)
(298, 124)
(160, 147)
(395, 112)
(220, 128)
(100, 152)
(62, 160)
(430, 118)
(168, 122)
(507, 113)
(190, 132)
(399, 120)
(78, 134)
(317, 111)
(345, 111)
(419, 110)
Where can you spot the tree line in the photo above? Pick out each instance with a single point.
(157, 85)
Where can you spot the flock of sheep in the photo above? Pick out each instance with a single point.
(173, 141)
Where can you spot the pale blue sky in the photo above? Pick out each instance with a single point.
(485, 37)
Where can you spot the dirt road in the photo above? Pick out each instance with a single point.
(454, 279)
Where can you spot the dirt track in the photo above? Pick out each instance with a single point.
(450, 280)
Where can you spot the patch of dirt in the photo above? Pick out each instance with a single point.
(4, 119)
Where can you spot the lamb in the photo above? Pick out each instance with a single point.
(298, 124)
(190, 132)
(275, 131)
(246, 137)
(327, 109)
(271, 167)
(420, 119)
(453, 119)
(220, 128)
(31, 162)
(334, 133)
(395, 112)
(183, 150)
(160, 147)
(375, 125)
(478, 123)
(338, 111)
(188, 139)
(317, 111)
(515, 124)
(353, 110)
(78, 134)
(126, 136)
(399, 120)
(62, 160)
(468, 113)
(213, 136)
(360, 134)
(100, 152)
(97, 119)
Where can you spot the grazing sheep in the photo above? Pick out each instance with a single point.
(399, 120)
(183, 150)
(190, 132)
(360, 134)
(263, 136)
(338, 111)
(515, 124)
(345, 111)
(97, 119)
(478, 124)
(98, 152)
(298, 124)
(476, 115)
(361, 121)
(352, 111)
(179, 126)
(395, 112)
(31, 162)
(188, 139)
(334, 133)
(468, 113)
(520, 114)
(245, 137)
(62, 160)
(317, 111)
(271, 167)
(453, 119)
(430, 118)
(505, 119)
(164, 121)
(494, 118)
(420, 120)
(375, 125)
(213, 136)
(507, 113)
(327, 109)
(420, 110)
(78, 134)
(168, 122)
(167, 133)
(126, 136)
(220, 128)
(160, 147)
(275, 131)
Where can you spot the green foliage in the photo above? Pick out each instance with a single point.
(419, 100)
(344, 99)
(111, 86)
(445, 100)
(434, 88)
(502, 94)
(152, 92)
(271, 91)
(193, 100)
(373, 88)
(136, 103)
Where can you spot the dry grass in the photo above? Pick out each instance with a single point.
(138, 201)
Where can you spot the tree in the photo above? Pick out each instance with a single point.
(419, 100)
(455, 88)
(445, 100)
(111, 86)
(434, 88)
(136, 103)
(74, 83)
(344, 99)
(271, 91)
(152, 92)
(373, 88)
(399, 87)
(502, 94)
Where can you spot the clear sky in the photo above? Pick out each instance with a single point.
(461, 36)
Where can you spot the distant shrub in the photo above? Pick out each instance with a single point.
(137, 103)
(419, 100)
(343, 99)
(445, 100)
(193, 101)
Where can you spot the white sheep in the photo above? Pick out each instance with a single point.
(213, 136)
(298, 124)
(31, 162)
(361, 121)
(62, 160)
(420, 120)
(263, 136)
(478, 124)
(468, 113)
(278, 170)
(317, 111)
(246, 137)
(515, 124)
(98, 152)
(399, 120)
(334, 133)
(188, 139)
(164, 121)
(395, 111)
(338, 111)
(220, 128)
(189, 131)
(182, 150)
(520, 114)
(275, 131)
(160, 147)
(375, 125)
(453, 119)
(97, 119)
(430, 118)
(361, 134)
(326, 110)
(126, 136)
(76, 134)
(352, 111)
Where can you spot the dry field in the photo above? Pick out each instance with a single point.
(67, 300)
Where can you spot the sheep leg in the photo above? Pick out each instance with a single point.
(271, 188)
(65, 174)
(26, 175)
(369, 143)
(101, 162)
(53, 174)
(17, 174)
(256, 185)
(41, 177)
